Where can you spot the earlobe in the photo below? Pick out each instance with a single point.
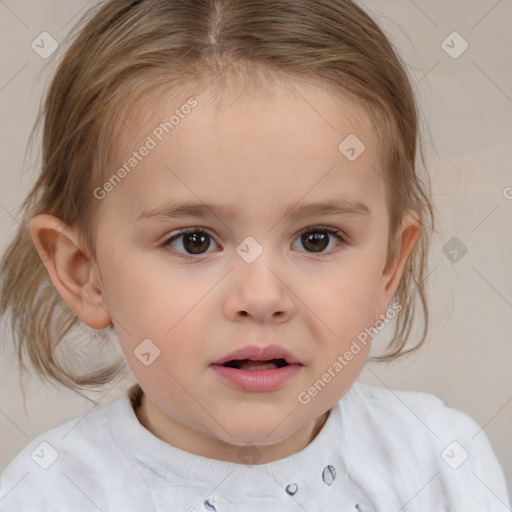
(406, 238)
(71, 270)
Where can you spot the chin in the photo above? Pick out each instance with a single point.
(257, 432)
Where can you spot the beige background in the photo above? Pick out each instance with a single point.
(467, 107)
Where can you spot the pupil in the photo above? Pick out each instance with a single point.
(317, 236)
(199, 242)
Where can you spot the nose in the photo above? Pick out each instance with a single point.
(258, 292)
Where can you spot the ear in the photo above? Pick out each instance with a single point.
(71, 270)
(405, 239)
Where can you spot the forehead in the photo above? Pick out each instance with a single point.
(289, 140)
(313, 103)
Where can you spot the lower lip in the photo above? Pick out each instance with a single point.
(257, 380)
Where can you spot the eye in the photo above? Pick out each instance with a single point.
(318, 238)
(194, 242)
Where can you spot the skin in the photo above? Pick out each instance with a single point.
(259, 154)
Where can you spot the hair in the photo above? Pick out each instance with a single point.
(125, 52)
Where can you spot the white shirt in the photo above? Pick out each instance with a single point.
(379, 450)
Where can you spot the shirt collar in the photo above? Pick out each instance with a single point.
(315, 477)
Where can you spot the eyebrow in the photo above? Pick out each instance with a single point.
(173, 210)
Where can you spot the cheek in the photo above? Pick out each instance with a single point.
(346, 306)
(150, 299)
(169, 311)
(165, 358)
(347, 303)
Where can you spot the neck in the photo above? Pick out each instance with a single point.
(197, 442)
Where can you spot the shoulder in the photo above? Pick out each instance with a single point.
(42, 476)
(419, 439)
(413, 408)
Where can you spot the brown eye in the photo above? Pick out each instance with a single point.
(196, 243)
(317, 239)
(192, 242)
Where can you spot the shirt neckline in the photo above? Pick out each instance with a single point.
(164, 455)
(315, 474)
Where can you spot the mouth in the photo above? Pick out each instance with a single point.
(249, 364)
(270, 356)
(257, 368)
(249, 375)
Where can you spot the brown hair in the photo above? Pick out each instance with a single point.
(123, 51)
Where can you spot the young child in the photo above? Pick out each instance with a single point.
(233, 188)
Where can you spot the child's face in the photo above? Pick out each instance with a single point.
(256, 156)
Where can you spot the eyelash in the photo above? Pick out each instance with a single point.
(311, 229)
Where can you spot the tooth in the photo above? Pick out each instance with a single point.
(254, 365)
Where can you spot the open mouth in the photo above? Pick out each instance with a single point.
(249, 364)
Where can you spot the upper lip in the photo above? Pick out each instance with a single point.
(259, 353)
